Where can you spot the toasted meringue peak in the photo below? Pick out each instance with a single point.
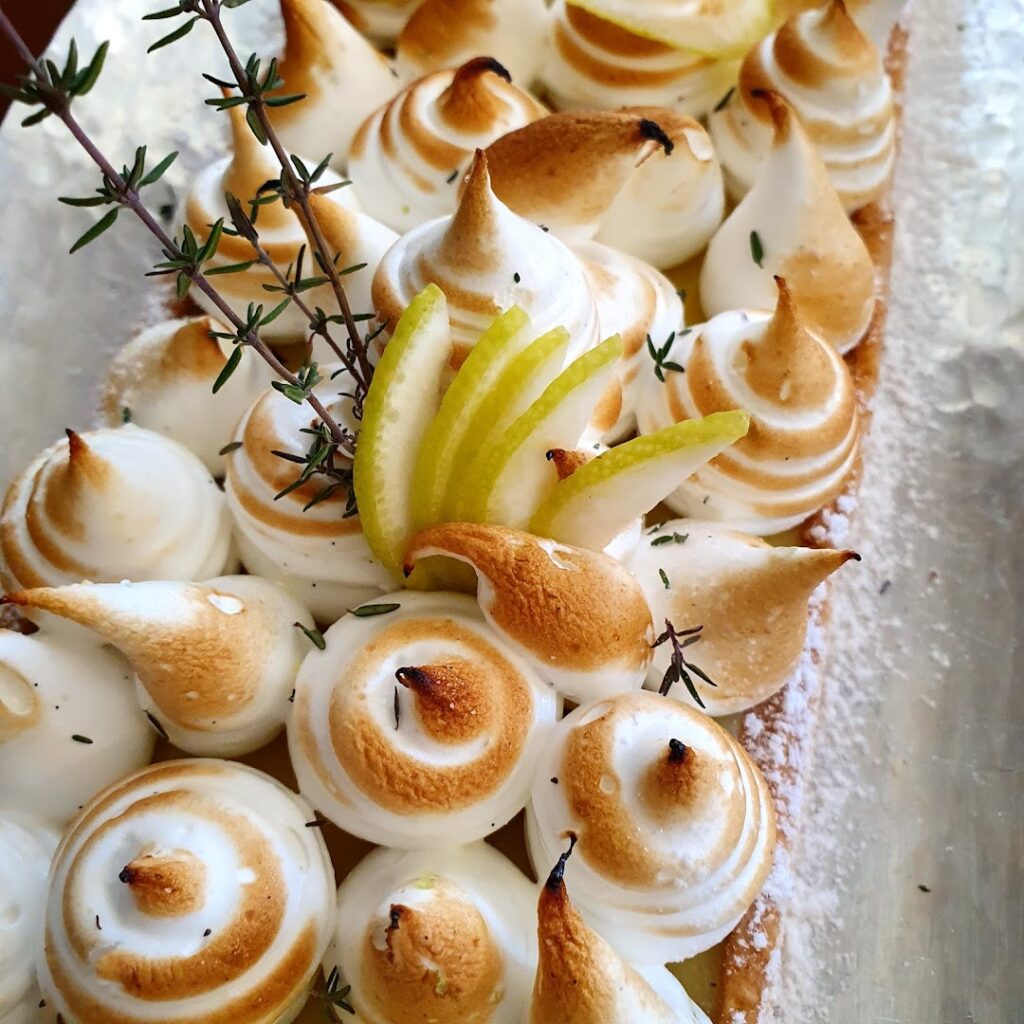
(791, 224)
(804, 428)
(94, 506)
(318, 554)
(671, 849)
(582, 980)
(26, 846)
(445, 33)
(341, 75)
(381, 20)
(577, 616)
(487, 259)
(69, 722)
(832, 74)
(215, 663)
(594, 63)
(429, 936)
(750, 597)
(418, 725)
(191, 891)
(163, 379)
(408, 158)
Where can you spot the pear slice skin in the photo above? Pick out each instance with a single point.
(606, 495)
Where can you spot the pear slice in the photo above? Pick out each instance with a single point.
(402, 400)
(509, 479)
(604, 496)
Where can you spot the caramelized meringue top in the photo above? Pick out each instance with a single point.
(408, 158)
(791, 224)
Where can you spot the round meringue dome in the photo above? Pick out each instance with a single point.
(594, 63)
(320, 555)
(804, 433)
(832, 75)
(675, 825)
(95, 506)
(418, 726)
(381, 20)
(409, 157)
(445, 936)
(163, 380)
(189, 891)
(26, 846)
(69, 723)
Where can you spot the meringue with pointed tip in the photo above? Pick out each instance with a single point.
(594, 63)
(431, 935)
(214, 662)
(95, 506)
(163, 379)
(445, 33)
(750, 597)
(675, 825)
(190, 891)
(409, 157)
(381, 20)
(319, 554)
(418, 725)
(581, 979)
(832, 75)
(792, 224)
(577, 616)
(69, 722)
(805, 427)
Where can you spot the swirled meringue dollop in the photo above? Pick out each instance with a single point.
(675, 825)
(191, 892)
(832, 75)
(319, 554)
(594, 63)
(214, 662)
(445, 33)
(26, 846)
(408, 158)
(791, 224)
(487, 259)
(435, 935)
(163, 379)
(95, 506)
(381, 20)
(418, 726)
(804, 422)
(750, 597)
(577, 616)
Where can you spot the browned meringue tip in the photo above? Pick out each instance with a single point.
(165, 885)
(250, 167)
(469, 103)
(473, 69)
(566, 461)
(779, 110)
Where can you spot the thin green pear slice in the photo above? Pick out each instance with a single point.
(507, 336)
(509, 479)
(517, 387)
(402, 400)
(605, 496)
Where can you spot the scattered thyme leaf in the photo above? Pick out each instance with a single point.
(664, 579)
(79, 738)
(670, 538)
(315, 637)
(756, 249)
(231, 447)
(366, 611)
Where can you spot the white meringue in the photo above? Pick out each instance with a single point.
(381, 20)
(594, 63)
(26, 846)
(163, 379)
(435, 935)
(95, 506)
(750, 597)
(576, 616)
(675, 824)
(791, 224)
(445, 33)
(190, 891)
(805, 429)
(69, 723)
(214, 663)
(320, 555)
(471, 716)
(408, 158)
(832, 75)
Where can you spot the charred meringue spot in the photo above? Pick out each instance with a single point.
(567, 462)
(449, 698)
(171, 884)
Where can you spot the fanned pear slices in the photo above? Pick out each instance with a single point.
(604, 496)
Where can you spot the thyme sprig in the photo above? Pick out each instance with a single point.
(679, 667)
(660, 356)
(334, 996)
(322, 459)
